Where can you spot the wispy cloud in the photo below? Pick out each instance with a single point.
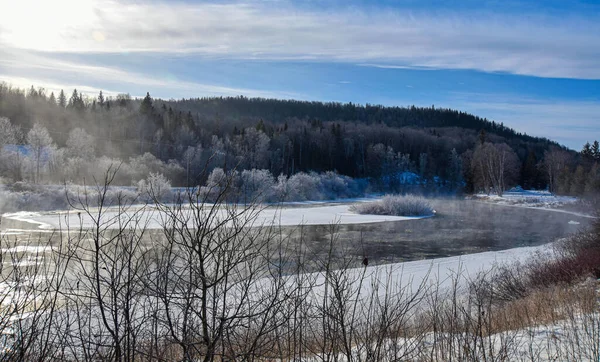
(25, 68)
(571, 123)
(529, 45)
(50, 85)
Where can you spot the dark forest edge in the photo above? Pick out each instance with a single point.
(48, 138)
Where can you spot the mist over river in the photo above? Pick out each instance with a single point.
(458, 227)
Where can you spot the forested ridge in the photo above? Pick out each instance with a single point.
(285, 137)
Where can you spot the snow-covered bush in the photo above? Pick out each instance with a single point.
(281, 188)
(25, 196)
(257, 185)
(251, 185)
(336, 186)
(396, 205)
(141, 166)
(313, 186)
(155, 187)
(221, 184)
(9, 201)
(303, 186)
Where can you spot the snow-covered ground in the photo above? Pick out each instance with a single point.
(153, 218)
(438, 272)
(530, 198)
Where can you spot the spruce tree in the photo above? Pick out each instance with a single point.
(62, 99)
(596, 151)
(101, 100)
(74, 100)
(52, 99)
(146, 106)
(586, 151)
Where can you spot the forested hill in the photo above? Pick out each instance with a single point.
(277, 111)
(181, 137)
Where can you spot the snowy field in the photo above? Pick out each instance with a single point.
(152, 218)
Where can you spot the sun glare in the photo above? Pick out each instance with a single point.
(44, 25)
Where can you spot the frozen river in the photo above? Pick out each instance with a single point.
(459, 227)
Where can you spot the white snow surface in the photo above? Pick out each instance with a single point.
(438, 272)
(531, 198)
(153, 218)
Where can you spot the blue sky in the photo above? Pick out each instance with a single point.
(533, 65)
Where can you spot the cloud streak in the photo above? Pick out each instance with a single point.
(25, 68)
(525, 45)
(571, 123)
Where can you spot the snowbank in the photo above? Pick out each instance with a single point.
(530, 198)
(439, 272)
(153, 218)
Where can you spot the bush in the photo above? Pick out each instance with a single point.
(155, 186)
(221, 186)
(573, 260)
(257, 185)
(396, 205)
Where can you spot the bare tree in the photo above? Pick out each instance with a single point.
(496, 166)
(555, 162)
(218, 292)
(107, 295)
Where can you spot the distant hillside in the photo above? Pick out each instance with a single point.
(282, 136)
(277, 111)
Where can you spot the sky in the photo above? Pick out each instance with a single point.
(533, 65)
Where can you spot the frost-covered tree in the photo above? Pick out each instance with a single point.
(192, 163)
(141, 166)
(303, 186)
(39, 142)
(257, 185)
(10, 161)
(81, 144)
(78, 154)
(155, 187)
(9, 133)
(219, 182)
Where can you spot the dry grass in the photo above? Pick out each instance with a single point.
(545, 306)
(396, 205)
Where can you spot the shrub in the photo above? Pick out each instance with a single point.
(303, 186)
(257, 185)
(396, 205)
(221, 186)
(573, 260)
(155, 186)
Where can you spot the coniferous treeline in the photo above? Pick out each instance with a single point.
(287, 136)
